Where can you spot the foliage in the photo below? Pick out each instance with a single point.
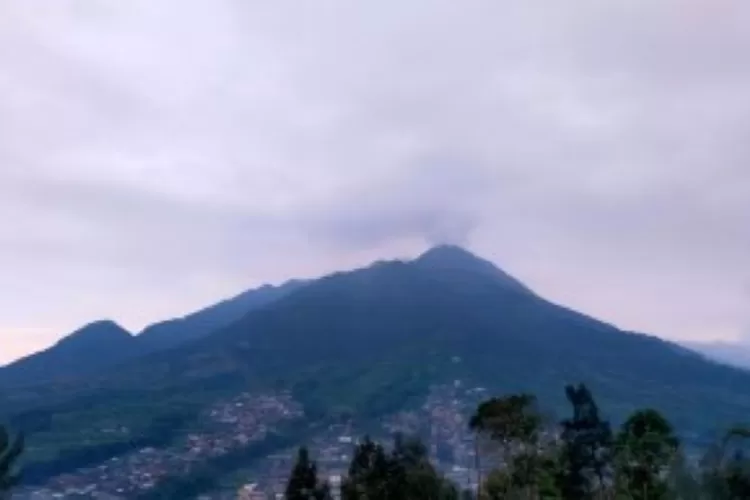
(587, 447)
(646, 445)
(10, 451)
(403, 474)
(726, 467)
(368, 473)
(644, 460)
(514, 423)
(508, 420)
(683, 478)
(303, 482)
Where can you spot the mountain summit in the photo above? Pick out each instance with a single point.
(453, 258)
(92, 347)
(102, 332)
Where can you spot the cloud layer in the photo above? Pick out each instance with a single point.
(155, 156)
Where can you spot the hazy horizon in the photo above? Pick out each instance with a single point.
(156, 157)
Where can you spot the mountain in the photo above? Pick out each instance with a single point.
(401, 324)
(100, 346)
(451, 260)
(731, 353)
(93, 347)
(372, 341)
(176, 331)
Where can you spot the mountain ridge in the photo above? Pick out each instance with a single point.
(103, 344)
(172, 332)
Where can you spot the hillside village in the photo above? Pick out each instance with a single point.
(248, 418)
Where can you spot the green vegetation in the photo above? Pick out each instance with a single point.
(207, 476)
(223, 470)
(578, 458)
(582, 459)
(10, 451)
(160, 432)
(404, 473)
(303, 481)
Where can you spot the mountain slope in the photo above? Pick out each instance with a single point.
(91, 348)
(731, 353)
(176, 331)
(373, 340)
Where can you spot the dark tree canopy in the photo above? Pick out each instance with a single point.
(587, 447)
(403, 474)
(303, 482)
(10, 451)
(645, 447)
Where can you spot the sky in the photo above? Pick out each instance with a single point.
(157, 156)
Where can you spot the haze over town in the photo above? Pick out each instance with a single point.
(151, 164)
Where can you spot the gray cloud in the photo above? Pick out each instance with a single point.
(155, 156)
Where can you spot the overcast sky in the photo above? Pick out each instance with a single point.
(158, 155)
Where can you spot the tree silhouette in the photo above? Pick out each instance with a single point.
(403, 474)
(10, 451)
(726, 467)
(646, 445)
(587, 447)
(512, 422)
(303, 482)
(368, 473)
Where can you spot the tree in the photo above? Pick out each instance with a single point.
(497, 486)
(368, 473)
(303, 482)
(683, 479)
(412, 475)
(403, 474)
(514, 423)
(530, 475)
(509, 420)
(645, 447)
(726, 467)
(10, 451)
(323, 492)
(587, 447)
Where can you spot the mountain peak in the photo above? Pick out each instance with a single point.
(97, 331)
(94, 346)
(455, 258)
(447, 251)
